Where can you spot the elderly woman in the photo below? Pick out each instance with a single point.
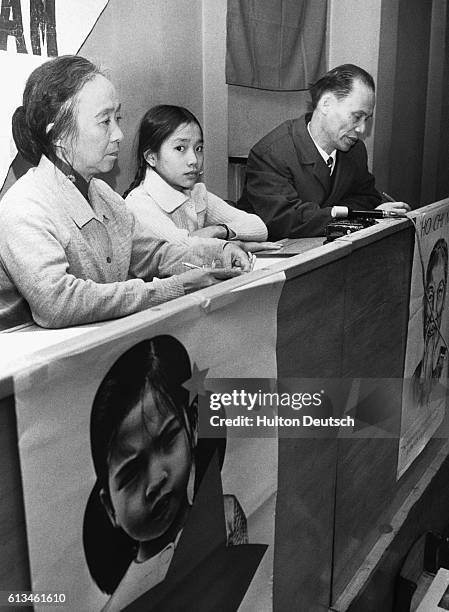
(70, 250)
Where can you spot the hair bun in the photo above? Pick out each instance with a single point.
(19, 115)
(23, 137)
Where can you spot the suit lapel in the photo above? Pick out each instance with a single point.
(321, 171)
(341, 177)
(308, 153)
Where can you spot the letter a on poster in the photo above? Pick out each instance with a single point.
(31, 32)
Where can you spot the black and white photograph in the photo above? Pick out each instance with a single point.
(224, 324)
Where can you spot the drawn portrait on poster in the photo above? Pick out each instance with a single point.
(430, 369)
(426, 362)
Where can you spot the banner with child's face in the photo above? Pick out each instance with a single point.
(125, 505)
(32, 32)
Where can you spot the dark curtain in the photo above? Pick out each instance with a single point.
(276, 44)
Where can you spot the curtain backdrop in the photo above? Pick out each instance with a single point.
(275, 44)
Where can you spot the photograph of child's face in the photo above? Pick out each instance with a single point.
(149, 468)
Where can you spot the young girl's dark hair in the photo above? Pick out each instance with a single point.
(50, 97)
(160, 365)
(156, 126)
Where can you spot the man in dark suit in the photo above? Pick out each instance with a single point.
(297, 172)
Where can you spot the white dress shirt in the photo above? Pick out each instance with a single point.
(322, 152)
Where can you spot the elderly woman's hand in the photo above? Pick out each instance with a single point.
(211, 231)
(235, 257)
(205, 277)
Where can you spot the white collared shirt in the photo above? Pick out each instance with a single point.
(322, 152)
(141, 577)
(172, 215)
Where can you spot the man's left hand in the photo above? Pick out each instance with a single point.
(396, 207)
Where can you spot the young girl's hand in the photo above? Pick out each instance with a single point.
(205, 277)
(211, 231)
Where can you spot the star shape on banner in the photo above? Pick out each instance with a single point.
(195, 385)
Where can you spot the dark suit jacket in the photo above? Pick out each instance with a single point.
(289, 186)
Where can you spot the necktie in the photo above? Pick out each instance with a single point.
(330, 164)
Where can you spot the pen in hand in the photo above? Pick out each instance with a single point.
(388, 197)
(398, 209)
(187, 264)
(192, 266)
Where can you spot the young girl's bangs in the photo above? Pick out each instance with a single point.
(174, 402)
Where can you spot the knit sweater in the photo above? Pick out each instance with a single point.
(169, 214)
(66, 261)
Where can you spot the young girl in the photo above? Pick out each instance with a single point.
(143, 441)
(165, 195)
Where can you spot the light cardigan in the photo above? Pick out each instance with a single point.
(169, 214)
(65, 262)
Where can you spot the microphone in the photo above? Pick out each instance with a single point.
(343, 212)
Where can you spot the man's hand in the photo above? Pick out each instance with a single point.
(396, 207)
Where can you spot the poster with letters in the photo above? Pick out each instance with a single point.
(31, 32)
(426, 359)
